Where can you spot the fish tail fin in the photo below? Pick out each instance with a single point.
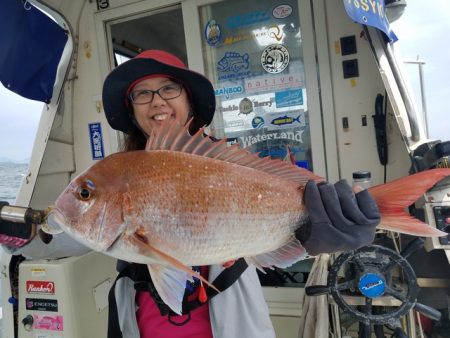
(392, 198)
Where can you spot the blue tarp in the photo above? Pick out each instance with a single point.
(370, 13)
(31, 45)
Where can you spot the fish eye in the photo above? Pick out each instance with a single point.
(86, 190)
(84, 194)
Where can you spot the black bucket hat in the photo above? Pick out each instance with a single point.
(118, 109)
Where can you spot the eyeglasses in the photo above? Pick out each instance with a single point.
(167, 92)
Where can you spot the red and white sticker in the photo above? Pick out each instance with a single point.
(282, 11)
(41, 287)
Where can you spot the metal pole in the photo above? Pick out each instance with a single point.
(422, 91)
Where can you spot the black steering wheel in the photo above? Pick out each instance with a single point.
(368, 273)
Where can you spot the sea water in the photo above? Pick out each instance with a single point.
(11, 175)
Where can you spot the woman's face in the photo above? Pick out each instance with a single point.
(152, 114)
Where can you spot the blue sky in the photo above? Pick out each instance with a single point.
(423, 31)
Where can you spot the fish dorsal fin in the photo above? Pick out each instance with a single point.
(283, 257)
(173, 136)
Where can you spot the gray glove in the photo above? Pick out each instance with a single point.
(339, 220)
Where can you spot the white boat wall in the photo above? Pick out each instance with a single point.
(334, 76)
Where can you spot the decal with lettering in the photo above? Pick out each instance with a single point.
(247, 19)
(96, 138)
(275, 58)
(272, 83)
(228, 90)
(42, 287)
(289, 98)
(282, 11)
(38, 304)
(51, 323)
(295, 135)
(235, 65)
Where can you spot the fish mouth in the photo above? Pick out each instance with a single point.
(54, 223)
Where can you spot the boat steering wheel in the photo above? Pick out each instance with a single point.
(368, 273)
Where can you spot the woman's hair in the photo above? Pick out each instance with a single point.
(136, 140)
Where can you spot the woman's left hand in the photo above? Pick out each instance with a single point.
(339, 220)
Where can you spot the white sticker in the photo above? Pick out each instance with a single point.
(275, 58)
(282, 11)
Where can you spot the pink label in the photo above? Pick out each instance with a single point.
(53, 323)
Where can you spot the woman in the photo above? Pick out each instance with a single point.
(137, 96)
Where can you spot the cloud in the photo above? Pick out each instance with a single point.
(19, 121)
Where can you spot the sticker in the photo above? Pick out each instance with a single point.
(212, 33)
(41, 287)
(37, 304)
(96, 137)
(227, 91)
(264, 36)
(289, 98)
(272, 84)
(38, 272)
(275, 58)
(257, 122)
(229, 108)
(235, 63)
(371, 285)
(282, 11)
(245, 106)
(53, 323)
(234, 124)
(296, 135)
(47, 335)
(247, 19)
(285, 120)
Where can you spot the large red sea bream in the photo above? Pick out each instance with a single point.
(186, 200)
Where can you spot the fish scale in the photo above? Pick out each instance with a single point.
(229, 201)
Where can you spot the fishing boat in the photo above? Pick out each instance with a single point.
(316, 81)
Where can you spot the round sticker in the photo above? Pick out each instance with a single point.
(245, 106)
(371, 285)
(275, 58)
(257, 122)
(212, 33)
(282, 11)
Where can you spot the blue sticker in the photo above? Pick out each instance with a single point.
(285, 120)
(96, 137)
(289, 98)
(235, 65)
(233, 62)
(213, 33)
(227, 91)
(371, 285)
(257, 122)
(247, 19)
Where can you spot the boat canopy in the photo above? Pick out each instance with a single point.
(31, 46)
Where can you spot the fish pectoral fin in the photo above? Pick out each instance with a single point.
(170, 284)
(283, 257)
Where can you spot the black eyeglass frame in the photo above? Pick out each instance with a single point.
(178, 85)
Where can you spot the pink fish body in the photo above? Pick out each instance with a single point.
(186, 201)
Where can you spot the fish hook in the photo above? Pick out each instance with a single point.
(26, 5)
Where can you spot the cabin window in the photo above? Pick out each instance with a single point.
(253, 54)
